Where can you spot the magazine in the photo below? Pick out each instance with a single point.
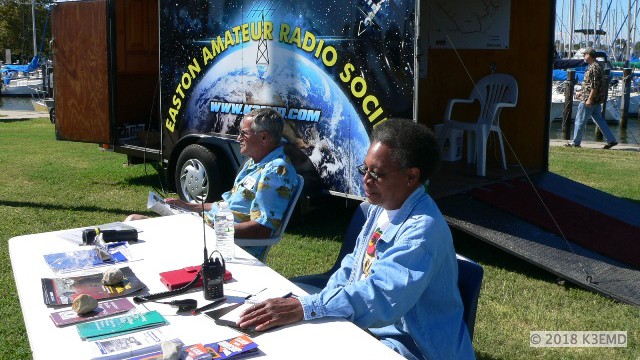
(234, 347)
(129, 345)
(156, 203)
(104, 309)
(62, 291)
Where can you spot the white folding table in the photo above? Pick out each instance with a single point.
(169, 243)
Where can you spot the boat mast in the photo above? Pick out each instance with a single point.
(629, 32)
(571, 29)
(33, 24)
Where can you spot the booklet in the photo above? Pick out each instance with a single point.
(62, 291)
(129, 345)
(121, 325)
(156, 203)
(236, 346)
(104, 309)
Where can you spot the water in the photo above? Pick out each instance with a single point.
(629, 136)
(16, 103)
(223, 225)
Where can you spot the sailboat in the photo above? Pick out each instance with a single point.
(22, 80)
(612, 107)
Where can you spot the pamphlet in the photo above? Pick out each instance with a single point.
(156, 203)
(129, 345)
(104, 309)
(88, 258)
(62, 291)
(121, 325)
(235, 346)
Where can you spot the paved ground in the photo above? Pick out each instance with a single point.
(598, 145)
(21, 114)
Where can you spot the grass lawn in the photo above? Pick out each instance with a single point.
(48, 185)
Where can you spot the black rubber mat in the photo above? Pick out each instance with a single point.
(551, 252)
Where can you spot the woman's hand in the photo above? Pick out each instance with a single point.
(272, 313)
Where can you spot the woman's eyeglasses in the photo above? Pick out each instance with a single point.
(362, 169)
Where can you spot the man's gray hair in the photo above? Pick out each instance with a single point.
(269, 120)
(411, 145)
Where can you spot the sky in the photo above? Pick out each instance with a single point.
(611, 18)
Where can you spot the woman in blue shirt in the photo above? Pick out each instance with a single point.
(400, 282)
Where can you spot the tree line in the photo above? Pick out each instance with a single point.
(16, 29)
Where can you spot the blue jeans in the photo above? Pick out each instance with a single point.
(594, 112)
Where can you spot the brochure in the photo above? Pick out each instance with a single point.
(62, 291)
(156, 203)
(121, 325)
(129, 345)
(234, 347)
(104, 309)
(88, 258)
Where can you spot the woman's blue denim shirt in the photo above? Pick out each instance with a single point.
(411, 295)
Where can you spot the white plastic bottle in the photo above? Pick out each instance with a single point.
(223, 225)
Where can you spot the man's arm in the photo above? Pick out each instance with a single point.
(251, 230)
(592, 95)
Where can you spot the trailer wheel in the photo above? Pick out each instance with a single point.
(52, 115)
(197, 176)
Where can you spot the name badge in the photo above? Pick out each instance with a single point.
(249, 182)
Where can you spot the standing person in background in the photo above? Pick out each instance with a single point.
(264, 186)
(592, 96)
(400, 282)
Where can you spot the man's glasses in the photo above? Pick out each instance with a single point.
(245, 134)
(362, 169)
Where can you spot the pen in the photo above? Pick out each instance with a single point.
(210, 305)
(252, 295)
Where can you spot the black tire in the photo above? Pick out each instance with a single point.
(197, 176)
(52, 115)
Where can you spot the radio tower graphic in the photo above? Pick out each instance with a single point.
(262, 57)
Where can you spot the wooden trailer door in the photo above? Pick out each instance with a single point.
(81, 79)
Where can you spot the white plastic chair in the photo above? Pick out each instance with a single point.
(494, 92)
(277, 235)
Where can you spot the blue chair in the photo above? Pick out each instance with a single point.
(469, 282)
(266, 244)
(319, 281)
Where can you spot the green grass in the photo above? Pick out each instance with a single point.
(48, 185)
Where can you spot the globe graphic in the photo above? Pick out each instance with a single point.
(336, 144)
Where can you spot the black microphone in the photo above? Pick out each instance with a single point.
(186, 305)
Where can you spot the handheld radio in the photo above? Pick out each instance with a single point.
(212, 269)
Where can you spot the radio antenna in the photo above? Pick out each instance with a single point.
(204, 234)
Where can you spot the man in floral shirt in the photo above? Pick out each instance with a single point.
(264, 186)
(592, 95)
